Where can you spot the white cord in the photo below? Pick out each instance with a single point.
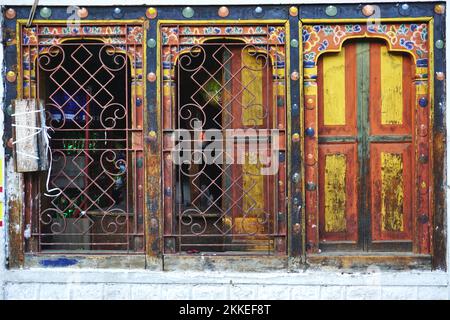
(44, 129)
(32, 12)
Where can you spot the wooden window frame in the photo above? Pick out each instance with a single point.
(297, 256)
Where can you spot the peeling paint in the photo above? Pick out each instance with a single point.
(391, 191)
(335, 197)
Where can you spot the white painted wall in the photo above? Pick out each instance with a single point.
(71, 283)
(140, 284)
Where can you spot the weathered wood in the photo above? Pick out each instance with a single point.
(379, 94)
(224, 263)
(439, 231)
(30, 147)
(370, 262)
(85, 261)
(14, 196)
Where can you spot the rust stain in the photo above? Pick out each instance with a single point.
(391, 192)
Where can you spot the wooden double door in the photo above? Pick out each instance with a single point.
(366, 150)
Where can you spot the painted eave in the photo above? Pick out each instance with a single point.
(181, 2)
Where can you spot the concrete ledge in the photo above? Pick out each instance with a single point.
(69, 275)
(92, 284)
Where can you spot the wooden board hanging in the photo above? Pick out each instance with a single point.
(30, 146)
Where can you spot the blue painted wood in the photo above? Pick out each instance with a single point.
(387, 10)
(59, 262)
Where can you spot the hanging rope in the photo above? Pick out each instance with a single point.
(45, 131)
(32, 12)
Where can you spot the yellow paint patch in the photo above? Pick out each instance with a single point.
(391, 88)
(252, 95)
(334, 89)
(248, 225)
(334, 193)
(253, 199)
(391, 192)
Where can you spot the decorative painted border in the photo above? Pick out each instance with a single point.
(319, 39)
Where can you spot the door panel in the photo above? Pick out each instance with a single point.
(338, 192)
(391, 87)
(365, 148)
(391, 191)
(337, 93)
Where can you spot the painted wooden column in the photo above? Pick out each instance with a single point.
(279, 88)
(295, 205)
(437, 79)
(153, 216)
(168, 96)
(311, 156)
(422, 106)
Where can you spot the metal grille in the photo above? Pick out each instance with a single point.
(93, 101)
(226, 86)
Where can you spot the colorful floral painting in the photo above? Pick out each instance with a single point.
(410, 37)
(172, 35)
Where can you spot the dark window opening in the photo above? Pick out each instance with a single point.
(86, 87)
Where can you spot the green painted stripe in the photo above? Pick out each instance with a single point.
(362, 80)
(406, 138)
(336, 139)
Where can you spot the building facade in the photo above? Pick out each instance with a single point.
(288, 151)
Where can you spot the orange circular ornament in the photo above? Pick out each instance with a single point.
(223, 12)
(151, 77)
(10, 13)
(368, 10)
(82, 13)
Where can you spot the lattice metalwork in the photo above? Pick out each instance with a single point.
(215, 88)
(93, 96)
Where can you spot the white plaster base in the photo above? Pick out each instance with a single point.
(69, 283)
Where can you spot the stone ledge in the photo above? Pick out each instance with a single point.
(309, 277)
